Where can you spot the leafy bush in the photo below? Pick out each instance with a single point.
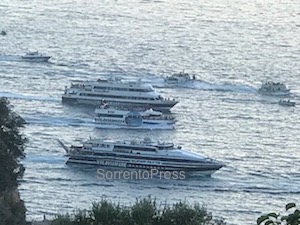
(11, 146)
(63, 220)
(143, 212)
(105, 213)
(12, 209)
(182, 213)
(290, 217)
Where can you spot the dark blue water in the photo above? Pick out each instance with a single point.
(231, 46)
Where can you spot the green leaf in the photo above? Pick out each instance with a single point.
(273, 215)
(284, 218)
(297, 212)
(262, 219)
(290, 205)
(269, 222)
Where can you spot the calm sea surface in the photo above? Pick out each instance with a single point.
(231, 46)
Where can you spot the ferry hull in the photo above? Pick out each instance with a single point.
(153, 168)
(162, 106)
(277, 93)
(37, 59)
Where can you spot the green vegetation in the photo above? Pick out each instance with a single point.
(290, 217)
(143, 212)
(12, 209)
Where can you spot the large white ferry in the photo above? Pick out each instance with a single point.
(272, 88)
(107, 115)
(132, 95)
(144, 154)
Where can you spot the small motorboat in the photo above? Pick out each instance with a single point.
(286, 103)
(3, 33)
(179, 78)
(272, 88)
(35, 57)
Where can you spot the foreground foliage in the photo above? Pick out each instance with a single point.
(290, 217)
(143, 212)
(12, 209)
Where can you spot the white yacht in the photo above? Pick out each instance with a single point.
(35, 57)
(179, 78)
(272, 88)
(132, 95)
(106, 115)
(143, 155)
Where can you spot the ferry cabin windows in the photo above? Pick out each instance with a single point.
(116, 96)
(134, 148)
(165, 147)
(109, 115)
(123, 89)
(97, 145)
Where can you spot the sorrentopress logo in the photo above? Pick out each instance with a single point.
(139, 174)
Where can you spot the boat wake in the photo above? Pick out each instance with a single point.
(57, 121)
(203, 85)
(28, 97)
(11, 58)
(43, 159)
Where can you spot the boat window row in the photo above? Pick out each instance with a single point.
(82, 159)
(95, 153)
(139, 166)
(140, 157)
(115, 96)
(109, 115)
(137, 156)
(135, 148)
(165, 147)
(88, 145)
(122, 89)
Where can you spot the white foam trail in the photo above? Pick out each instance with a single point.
(223, 87)
(11, 58)
(203, 85)
(43, 159)
(60, 121)
(28, 97)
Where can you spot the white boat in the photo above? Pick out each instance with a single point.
(286, 102)
(272, 88)
(155, 117)
(35, 57)
(132, 95)
(142, 155)
(106, 115)
(179, 78)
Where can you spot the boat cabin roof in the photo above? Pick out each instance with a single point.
(134, 144)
